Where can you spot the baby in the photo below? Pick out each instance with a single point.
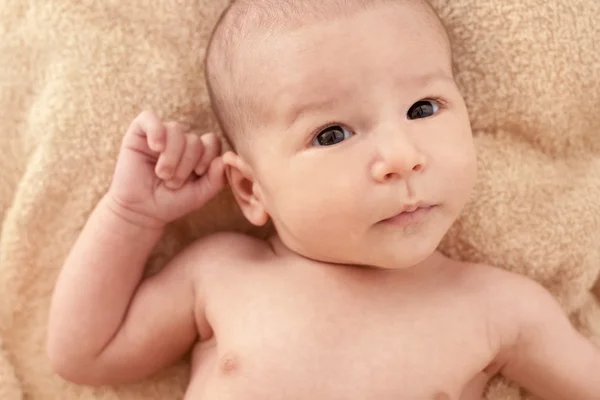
(351, 136)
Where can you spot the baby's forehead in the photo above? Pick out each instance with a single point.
(316, 54)
(249, 25)
(245, 17)
(252, 37)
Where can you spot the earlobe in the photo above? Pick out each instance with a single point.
(245, 189)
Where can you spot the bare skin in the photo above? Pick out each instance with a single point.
(350, 299)
(310, 330)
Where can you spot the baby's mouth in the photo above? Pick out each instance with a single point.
(410, 214)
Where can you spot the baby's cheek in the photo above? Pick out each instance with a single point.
(460, 158)
(319, 208)
(460, 176)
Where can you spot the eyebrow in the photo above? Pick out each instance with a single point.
(298, 111)
(428, 79)
(424, 80)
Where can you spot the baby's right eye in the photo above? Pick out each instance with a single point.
(422, 109)
(331, 135)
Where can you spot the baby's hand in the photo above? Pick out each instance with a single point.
(163, 173)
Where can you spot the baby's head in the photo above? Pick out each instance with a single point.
(343, 114)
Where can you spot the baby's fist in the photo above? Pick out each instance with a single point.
(186, 156)
(164, 172)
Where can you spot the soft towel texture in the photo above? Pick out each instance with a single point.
(73, 75)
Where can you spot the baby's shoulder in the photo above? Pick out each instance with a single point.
(490, 280)
(223, 253)
(510, 296)
(513, 303)
(224, 247)
(229, 244)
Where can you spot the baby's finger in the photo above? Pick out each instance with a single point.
(212, 149)
(146, 132)
(216, 174)
(191, 155)
(170, 157)
(210, 183)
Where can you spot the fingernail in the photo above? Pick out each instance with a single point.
(165, 172)
(173, 184)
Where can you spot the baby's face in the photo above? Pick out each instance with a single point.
(361, 121)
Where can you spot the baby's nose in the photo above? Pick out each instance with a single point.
(397, 159)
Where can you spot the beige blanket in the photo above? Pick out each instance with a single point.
(73, 74)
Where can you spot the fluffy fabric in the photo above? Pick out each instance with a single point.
(73, 75)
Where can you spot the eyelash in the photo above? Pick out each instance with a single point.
(320, 129)
(440, 102)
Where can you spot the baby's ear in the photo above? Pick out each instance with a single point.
(245, 189)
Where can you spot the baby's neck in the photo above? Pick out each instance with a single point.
(427, 266)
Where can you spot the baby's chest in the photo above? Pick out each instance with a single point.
(347, 348)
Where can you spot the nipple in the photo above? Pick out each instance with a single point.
(229, 364)
(441, 396)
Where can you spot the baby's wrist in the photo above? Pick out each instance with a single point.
(127, 221)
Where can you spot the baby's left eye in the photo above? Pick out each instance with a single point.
(422, 109)
(332, 135)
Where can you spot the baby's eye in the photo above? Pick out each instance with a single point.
(331, 135)
(422, 109)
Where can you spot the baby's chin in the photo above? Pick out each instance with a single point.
(389, 251)
(401, 262)
(380, 259)
(399, 254)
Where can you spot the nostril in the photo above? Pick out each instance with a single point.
(417, 167)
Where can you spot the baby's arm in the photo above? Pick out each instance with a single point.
(546, 354)
(108, 325)
(103, 328)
